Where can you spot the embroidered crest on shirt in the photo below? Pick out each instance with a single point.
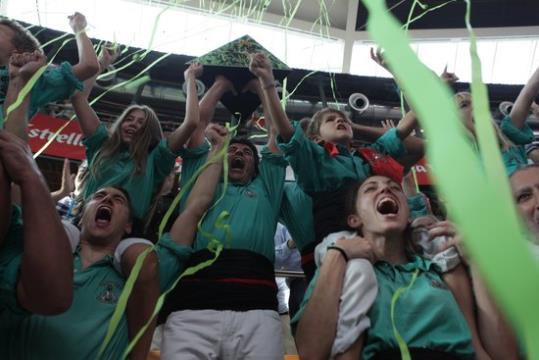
(109, 292)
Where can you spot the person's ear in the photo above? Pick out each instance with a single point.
(354, 221)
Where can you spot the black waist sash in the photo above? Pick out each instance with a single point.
(239, 280)
(329, 216)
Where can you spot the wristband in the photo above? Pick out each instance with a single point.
(341, 250)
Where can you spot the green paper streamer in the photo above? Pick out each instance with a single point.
(122, 300)
(403, 347)
(213, 247)
(465, 183)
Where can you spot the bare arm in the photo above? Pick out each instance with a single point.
(46, 273)
(21, 68)
(496, 334)
(179, 137)
(260, 66)
(525, 98)
(87, 65)
(68, 183)
(318, 326)
(461, 287)
(86, 116)
(201, 196)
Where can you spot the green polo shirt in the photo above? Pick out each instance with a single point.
(254, 207)
(426, 316)
(316, 170)
(515, 157)
(57, 83)
(297, 214)
(120, 171)
(79, 332)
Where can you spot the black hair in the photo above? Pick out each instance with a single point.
(249, 143)
(22, 40)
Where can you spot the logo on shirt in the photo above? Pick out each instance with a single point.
(109, 292)
(250, 193)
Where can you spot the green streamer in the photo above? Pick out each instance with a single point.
(466, 185)
(122, 300)
(216, 250)
(403, 347)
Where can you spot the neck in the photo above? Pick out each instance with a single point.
(92, 250)
(389, 248)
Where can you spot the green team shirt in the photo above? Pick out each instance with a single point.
(55, 84)
(515, 157)
(120, 171)
(297, 214)
(253, 208)
(426, 316)
(316, 170)
(79, 332)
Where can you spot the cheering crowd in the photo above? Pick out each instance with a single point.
(362, 232)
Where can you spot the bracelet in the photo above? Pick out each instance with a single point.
(269, 86)
(341, 250)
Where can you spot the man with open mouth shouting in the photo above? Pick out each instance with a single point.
(96, 277)
(229, 310)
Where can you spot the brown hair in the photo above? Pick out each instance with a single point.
(316, 121)
(149, 137)
(22, 39)
(503, 141)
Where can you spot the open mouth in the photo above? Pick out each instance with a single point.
(387, 206)
(237, 163)
(341, 127)
(103, 215)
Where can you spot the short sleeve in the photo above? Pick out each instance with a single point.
(304, 157)
(73, 234)
(390, 144)
(192, 160)
(172, 259)
(163, 160)
(272, 170)
(518, 136)
(95, 141)
(57, 83)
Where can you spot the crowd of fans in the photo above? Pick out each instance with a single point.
(352, 222)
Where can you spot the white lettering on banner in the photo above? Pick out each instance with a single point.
(420, 168)
(73, 138)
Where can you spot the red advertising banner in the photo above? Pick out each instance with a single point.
(422, 173)
(68, 143)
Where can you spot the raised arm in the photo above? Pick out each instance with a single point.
(87, 65)
(46, 273)
(86, 116)
(179, 137)
(21, 68)
(260, 66)
(525, 98)
(255, 87)
(68, 183)
(201, 196)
